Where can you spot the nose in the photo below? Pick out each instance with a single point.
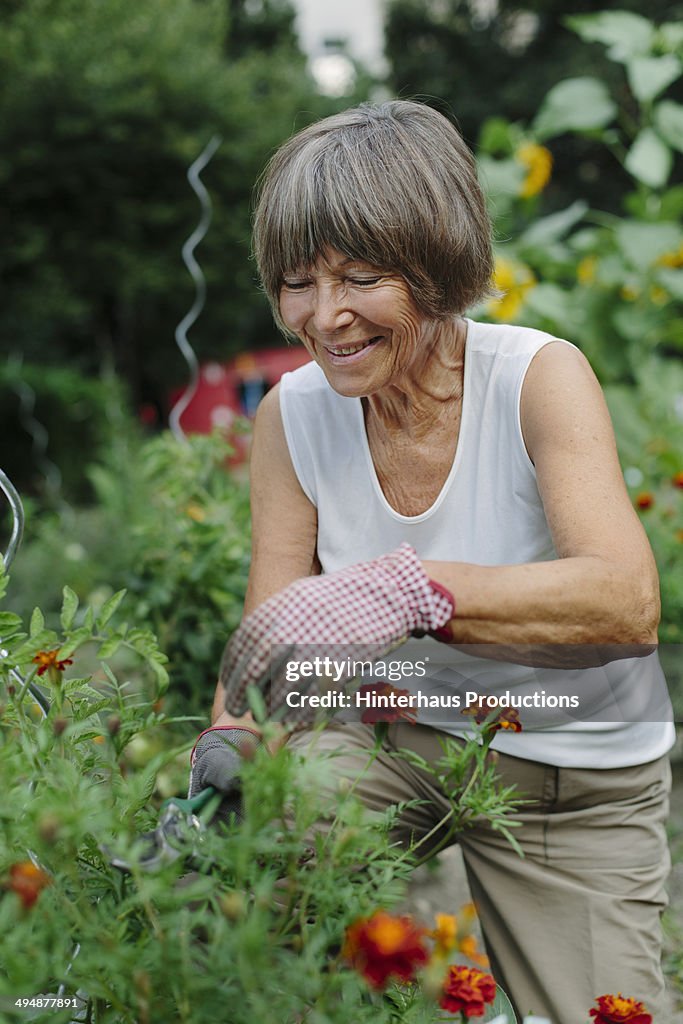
(331, 311)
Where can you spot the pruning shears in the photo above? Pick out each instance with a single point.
(182, 823)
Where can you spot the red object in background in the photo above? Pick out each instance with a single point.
(228, 390)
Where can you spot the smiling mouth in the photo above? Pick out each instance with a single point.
(350, 350)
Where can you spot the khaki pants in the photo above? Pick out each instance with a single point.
(579, 915)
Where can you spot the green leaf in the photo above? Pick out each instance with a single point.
(649, 159)
(550, 229)
(550, 302)
(9, 624)
(671, 34)
(37, 623)
(109, 607)
(642, 244)
(623, 33)
(672, 280)
(501, 177)
(109, 647)
(69, 608)
(500, 1005)
(76, 640)
(648, 76)
(668, 117)
(574, 105)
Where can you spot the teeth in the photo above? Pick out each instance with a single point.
(349, 350)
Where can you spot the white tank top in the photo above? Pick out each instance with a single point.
(489, 512)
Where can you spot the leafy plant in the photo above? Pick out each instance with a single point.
(259, 924)
(609, 283)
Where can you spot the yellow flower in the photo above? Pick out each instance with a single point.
(539, 164)
(586, 270)
(671, 259)
(514, 279)
(453, 932)
(445, 933)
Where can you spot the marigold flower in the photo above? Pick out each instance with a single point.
(445, 933)
(49, 659)
(514, 279)
(27, 881)
(507, 718)
(644, 500)
(539, 164)
(454, 932)
(373, 715)
(466, 990)
(677, 479)
(469, 947)
(384, 945)
(620, 1010)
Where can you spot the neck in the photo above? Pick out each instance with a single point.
(431, 389)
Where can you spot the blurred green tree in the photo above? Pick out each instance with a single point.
(102, 109)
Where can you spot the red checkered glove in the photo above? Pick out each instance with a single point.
(362, 612)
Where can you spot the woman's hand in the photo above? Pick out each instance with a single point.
(362, 611)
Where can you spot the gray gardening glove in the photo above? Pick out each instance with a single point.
(216, 760)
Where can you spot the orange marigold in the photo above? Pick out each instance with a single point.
(644, 500)
(27, 881)
(384, 945)
(620, 1010)
(466, 990)
(389, 712)
(677, 479)
(445, 933)
(507, 718)
(49, 659)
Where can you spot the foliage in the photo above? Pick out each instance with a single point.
(499, 59)
(50, 412)
(257, 925)
(103, 107)
(171, 527)
(612, 284)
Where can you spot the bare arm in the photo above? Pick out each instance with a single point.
(284, 524)
(603, 588)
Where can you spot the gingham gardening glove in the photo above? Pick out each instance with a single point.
(370, 607)
(216, 760)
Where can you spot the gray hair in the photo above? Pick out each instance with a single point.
(393, 185)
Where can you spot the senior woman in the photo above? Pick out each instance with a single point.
(427, 474)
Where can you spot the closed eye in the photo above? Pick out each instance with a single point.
(364, 280)
(294, 286)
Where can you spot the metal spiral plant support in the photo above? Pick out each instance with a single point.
(17, 508)
(199, 282)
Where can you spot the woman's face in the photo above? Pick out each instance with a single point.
(358, 322)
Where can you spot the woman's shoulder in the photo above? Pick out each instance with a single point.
(496, 339)
(306, 378)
